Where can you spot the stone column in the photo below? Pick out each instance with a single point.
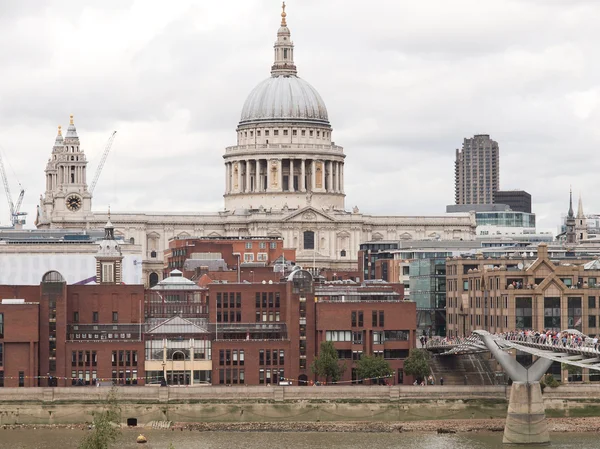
(227, 174)
(341, 177)
(526, 417)
(302, 183)
(330, 176)
(280, 174)
(247, 189)
(257, 175)
(268, 170)
(291, 176)
(240, 179)
(313, 180)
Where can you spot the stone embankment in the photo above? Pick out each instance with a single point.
(450, 426)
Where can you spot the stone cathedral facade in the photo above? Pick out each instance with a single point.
(284, 177)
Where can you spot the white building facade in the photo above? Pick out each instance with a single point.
(284, 177)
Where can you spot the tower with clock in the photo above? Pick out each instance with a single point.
(66, 195)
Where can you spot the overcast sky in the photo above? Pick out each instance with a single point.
(404, 82)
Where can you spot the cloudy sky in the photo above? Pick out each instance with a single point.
(404, 82)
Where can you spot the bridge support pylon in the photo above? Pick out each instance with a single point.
(526, 417)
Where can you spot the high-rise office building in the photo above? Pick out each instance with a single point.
(518, 200)
(477, 171)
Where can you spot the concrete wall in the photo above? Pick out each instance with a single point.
(274, 404)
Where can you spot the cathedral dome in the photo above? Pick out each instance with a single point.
(284, 98)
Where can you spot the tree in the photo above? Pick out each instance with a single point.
(327, 363)
(106, 425)
(417, 363)
(373, 367)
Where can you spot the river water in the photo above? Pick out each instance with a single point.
(67, 439)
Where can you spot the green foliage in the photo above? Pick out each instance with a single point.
(373, 367)
(106, 426)
(417, 363)
(548, 380)
(327, 363)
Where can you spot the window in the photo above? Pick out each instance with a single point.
(574, 313)
(262, 257)
(395, 335)
(261, 357)
(353, 318)
(338, 335)
(381, 318)
(591, 302)
(276, 132)
(266, 133)
(95, 317)
(1, 379)
(262, 245)
(309, 240)
(357, 338)
(374, 318)
(1, 354)
(378, 338)
(523, 313)
(311, 133)
(273, 245)
(21, 378)
(76, 317)
(552, 313)
(258, 133)
(1, 325)
(591, 323)
(360, 319)
(248, 257)
(248, 245)
(285, 132)
(115, 317)
(294, 132)
(108, 272)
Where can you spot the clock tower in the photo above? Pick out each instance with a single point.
(66, 197)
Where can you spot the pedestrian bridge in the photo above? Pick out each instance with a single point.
(526, 417)
(577, 350)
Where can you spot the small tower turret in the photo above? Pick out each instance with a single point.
(109, 266)
(571, 235)
(284, 50)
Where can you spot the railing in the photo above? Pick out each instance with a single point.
(283, 146)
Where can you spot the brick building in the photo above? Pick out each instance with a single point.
(190, 254)
(56, 334)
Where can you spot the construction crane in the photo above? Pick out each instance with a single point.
(102, 161)
(17, 218)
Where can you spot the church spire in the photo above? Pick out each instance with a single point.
(59, 138)
(283, 64)
(570, 214)
(580, 208)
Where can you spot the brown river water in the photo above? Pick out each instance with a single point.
(67, 439)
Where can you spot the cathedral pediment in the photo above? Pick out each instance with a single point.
(308, 214)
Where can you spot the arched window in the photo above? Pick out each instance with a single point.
(153, 279)
(343, 253)
(53, 276)
(132, 241)
(309, 240)
(153, 254)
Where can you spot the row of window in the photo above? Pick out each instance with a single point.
(356, 337)
(268, 376)
(262, 245)
(113, 336)
(260, 257)
(124, 358)
(229, 300)
(231, 317)
(326, 134)
(231, 357)
(268, 300)
(271, 357)
(267, 316)
(95, 317)
(232, 376)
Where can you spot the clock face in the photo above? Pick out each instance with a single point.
(73, 203)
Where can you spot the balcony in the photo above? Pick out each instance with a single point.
(103, 332)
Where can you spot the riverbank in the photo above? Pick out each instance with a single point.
(570, 425)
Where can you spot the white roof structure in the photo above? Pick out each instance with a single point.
(176, 281)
